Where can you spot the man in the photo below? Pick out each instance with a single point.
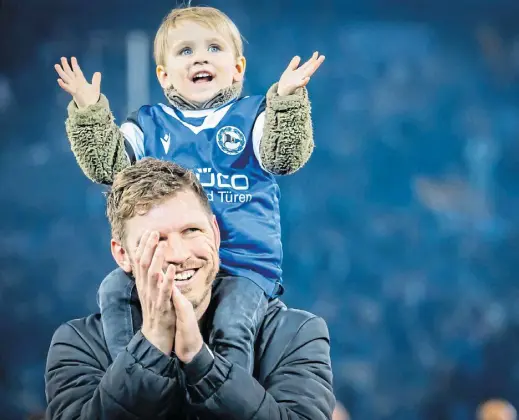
(340, 412)
(496, 410)
(164, 233)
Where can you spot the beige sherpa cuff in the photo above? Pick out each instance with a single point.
(99, 111)
(284, 103)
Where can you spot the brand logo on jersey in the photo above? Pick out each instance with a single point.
(166, 141)
(230, 140)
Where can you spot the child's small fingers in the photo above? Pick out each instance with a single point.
(66, 67)
(310, 70)
(76, 68)
(294, 63)
(320, 61)
(65, 86)
(64, 76)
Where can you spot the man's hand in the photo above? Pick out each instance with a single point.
(188, 339)
(155, 290)
(72, 81)
(294, 77)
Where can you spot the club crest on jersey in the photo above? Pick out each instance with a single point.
(230, 140)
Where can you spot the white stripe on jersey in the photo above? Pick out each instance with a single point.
(210, 121)
(134, 135)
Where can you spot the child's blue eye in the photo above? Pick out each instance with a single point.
(186, 51)
(214, 48)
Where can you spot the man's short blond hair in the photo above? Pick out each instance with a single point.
(496, 409)
(206, 16)
(140, 187)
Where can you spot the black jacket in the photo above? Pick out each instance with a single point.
(292, 376)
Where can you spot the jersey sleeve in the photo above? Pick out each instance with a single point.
(133, 138)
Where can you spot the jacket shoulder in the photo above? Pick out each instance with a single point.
(82, 332)
(286, 331)
(289, 319)
(90, 324)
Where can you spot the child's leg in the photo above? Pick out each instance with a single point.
(240, 306)
(113, 299)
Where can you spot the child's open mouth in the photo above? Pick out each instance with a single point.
(202, 77)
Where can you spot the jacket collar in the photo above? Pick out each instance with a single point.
(223, 97)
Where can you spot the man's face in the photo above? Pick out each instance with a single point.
(200, 62)
(192, 240)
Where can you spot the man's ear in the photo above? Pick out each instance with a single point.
(239, 74)
(162, 75)
(121, 256)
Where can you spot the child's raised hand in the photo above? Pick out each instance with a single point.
(72, 81)
(295, 77)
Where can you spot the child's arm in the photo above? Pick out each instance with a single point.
(95, 139)
(287, 141)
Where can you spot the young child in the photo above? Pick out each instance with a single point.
(234, 144)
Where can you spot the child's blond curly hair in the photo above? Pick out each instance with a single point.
(207, 16)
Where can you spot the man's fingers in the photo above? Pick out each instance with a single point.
(157, 262)
(153, 275)
(137, 272)
(96, 80)
(139, 249)
(142, 241)
(143, 256)
(148, 251)
(183, 308)
(166, 288)
(64, 76)
(66, 67)
(141, 245)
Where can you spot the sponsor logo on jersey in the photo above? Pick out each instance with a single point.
(224, 188)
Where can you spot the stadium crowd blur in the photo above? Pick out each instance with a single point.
(402, 231)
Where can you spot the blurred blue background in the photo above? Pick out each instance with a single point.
(402, 231)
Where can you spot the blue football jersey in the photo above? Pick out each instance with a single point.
(221, 146)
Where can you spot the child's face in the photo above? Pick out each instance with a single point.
(200, 62)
